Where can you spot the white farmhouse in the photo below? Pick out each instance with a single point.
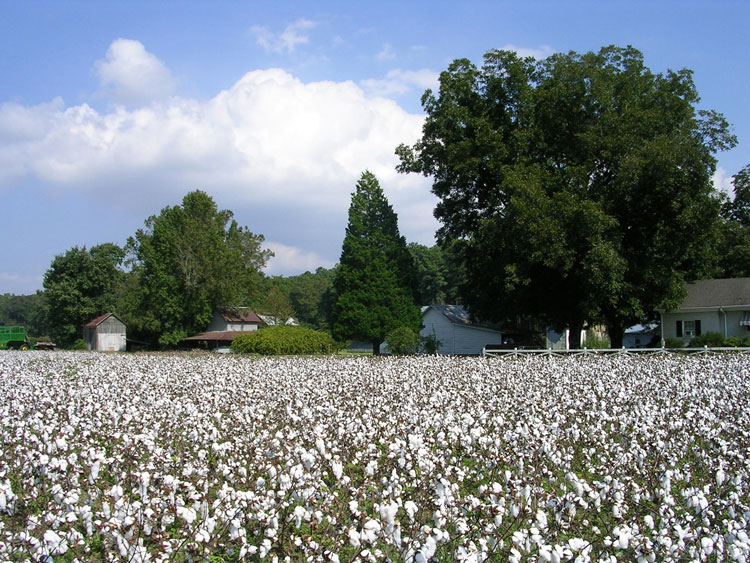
(456, 333)
(720, 305)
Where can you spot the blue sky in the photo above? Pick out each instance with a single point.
(110, 111)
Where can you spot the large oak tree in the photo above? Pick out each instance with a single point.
(577, 188)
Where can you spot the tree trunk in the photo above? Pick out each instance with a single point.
(616, 336)
(574, 335)
(376, 348)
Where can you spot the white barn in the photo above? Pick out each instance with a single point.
(452, 326)
(106, 333)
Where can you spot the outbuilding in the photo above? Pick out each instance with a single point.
(456, 332)
(106, 333)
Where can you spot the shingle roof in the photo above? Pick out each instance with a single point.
(729, 292)
(217, 336)
(239, 315)
(100, 319)
(457, 314)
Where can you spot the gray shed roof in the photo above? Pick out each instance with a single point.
(729, 292)
(457, 314)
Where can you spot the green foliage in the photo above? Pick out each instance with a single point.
(191, 259)
(596, 342)
(577, 188)
(402, 341)
(79, 344)
(284, 340)
(733, 241)
(28, 311)
(80, 285)
(673, 343)
(711, 339)
(716, 340)
(438, 275)
(375, 284)
(430, 344)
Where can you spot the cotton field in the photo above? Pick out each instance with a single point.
(176, 457)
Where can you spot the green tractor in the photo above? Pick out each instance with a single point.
(14, 337)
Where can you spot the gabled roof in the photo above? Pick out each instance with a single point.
(239, 315)
(217, 336)
(728, 292)
(100, 319)
(458, 315)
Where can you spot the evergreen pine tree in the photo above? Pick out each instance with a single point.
(375, 283)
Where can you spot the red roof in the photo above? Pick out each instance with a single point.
(239, 315)
(217, 336)
(100, 319)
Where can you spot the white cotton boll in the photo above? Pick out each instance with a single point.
(94, 475)
(577, 544)
(649, 520)
(353, 506)
(320, 445)
(720, 476)
(541, 519)
(353, 535)
(411, 509)
(308, 460)
(707, 545)
(187, 514)
(370, 468)
(338, 469)
(55, 544)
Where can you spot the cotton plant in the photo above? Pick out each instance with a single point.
(151, 457)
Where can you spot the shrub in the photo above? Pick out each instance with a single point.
(284, 340)
(79, 344)
(596, 342)
(402, 341)
(710, 339)
(430, 344)
(673, 343)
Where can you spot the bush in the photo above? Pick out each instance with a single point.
(284, 340)
(430, 344)
(402, 341)
(673, 343)
(596, 342)
(737, 342)
(79, 344)
(710, 339)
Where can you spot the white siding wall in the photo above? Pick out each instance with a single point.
(436, 323)
(218, 324)
(111, 342)
(712, 321)
(471, 340)
(454, 338)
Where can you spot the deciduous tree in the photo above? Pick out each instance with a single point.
(191, 259)
(578, 188)
(80, 285)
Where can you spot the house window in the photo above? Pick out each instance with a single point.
(688, 328)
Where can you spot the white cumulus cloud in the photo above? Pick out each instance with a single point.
(539, 53)
(398, 82)
(292, 259)
(130, 75)
(722, 182)
(286, 41)
(283, 154)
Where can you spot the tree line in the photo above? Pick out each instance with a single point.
(572, 191)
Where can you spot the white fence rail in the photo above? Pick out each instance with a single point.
(605, 351)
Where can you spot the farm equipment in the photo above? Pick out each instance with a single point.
(14, 337)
